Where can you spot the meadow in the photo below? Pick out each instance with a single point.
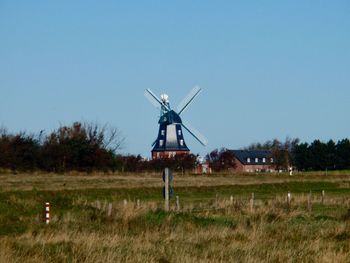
(120, 218)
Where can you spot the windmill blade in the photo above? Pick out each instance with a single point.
(188, 99)
(154, 99)
(154, 102)
(154, 143)
(196, 134)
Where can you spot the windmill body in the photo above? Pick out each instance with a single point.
(170, 140)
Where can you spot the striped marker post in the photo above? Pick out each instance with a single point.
(47, 213)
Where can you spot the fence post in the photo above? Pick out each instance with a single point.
(98, 205)
(138, 203)
(166, 189)
(125, 202)
(251, 201)
(231, 200)
(177, 203)
(289, 199)
(323, 196)
(47, 213)
(109, 211)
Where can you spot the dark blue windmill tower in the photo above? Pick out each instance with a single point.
(170, 140)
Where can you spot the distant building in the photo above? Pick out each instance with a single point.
(253, 161)
(202, 166)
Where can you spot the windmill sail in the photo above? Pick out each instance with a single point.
(188, 99)
(153, 99)
(195, 133)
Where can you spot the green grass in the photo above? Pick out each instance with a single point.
(208, 228)
(20, 209)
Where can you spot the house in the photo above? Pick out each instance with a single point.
(253, 161)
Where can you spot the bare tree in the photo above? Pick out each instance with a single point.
(106, 136)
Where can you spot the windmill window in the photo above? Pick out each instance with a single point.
(179, 132)
(160, 142)
(182, 142)
(264, 160)
(256, 160)
(248, 160)
(162, 132)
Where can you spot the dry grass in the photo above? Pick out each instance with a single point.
(208, 227)
(218, 231)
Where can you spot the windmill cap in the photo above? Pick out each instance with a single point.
(170, 117)
(164, 98)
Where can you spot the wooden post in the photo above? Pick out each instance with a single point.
(251, 202)
(309, 202)
(289, 199)
(322, 196)
(109, 211)
(166, 182)
(47, 213)
(177, 203)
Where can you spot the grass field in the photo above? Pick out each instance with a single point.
(98, 218)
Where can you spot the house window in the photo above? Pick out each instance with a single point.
(161, 142)
(256, 160)
(179, 132)
(182, 142)
(248, 160)
(271, 160)
(264, 160)
(162, 132)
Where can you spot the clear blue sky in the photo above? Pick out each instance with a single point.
(268, 68)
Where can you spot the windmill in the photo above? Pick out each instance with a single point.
(170, 140)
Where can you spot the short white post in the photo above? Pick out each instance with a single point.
(289, 198)
(231, 200)
(109, 211)
(47, 213)
(138, 203)
(98, 205)
(323, 196)
(125, 202)
(177, 203)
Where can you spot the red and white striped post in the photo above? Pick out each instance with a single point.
(47, 213)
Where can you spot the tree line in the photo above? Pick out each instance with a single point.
(84, 147)
(313, 156)
(89, 147)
